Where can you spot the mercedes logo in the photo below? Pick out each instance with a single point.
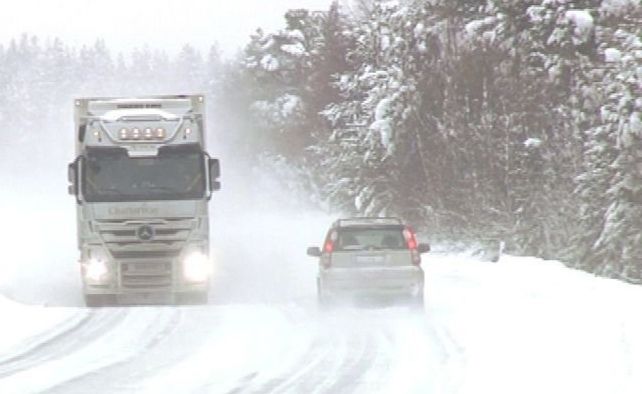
(145, 233)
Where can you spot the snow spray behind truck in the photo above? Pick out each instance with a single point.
(142, 182)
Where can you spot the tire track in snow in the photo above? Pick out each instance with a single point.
(452, 353)
(90, 327)
(243, 383)
(111, 377)
(337, 360)
(356, 365)
(317, 354)
(287, 364)
(53, 334)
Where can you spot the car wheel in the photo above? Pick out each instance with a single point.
(322, 298)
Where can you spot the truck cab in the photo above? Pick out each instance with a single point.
(142, 181)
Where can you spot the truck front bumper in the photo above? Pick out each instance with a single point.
(143, 282)
(123, 296)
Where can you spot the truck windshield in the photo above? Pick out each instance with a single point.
(111, 175)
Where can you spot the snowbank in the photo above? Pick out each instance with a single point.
(532, 326)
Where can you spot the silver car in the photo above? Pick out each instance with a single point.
(370, 258)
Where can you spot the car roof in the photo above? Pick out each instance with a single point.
(368, 221)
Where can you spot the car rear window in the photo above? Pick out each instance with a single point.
(370, 238)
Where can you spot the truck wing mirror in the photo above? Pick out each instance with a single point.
(71, 178)
(215, 173)
(215, 168)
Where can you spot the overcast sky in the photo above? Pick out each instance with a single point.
(125, 24)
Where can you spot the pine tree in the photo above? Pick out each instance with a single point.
(613, 157)
(189, 71)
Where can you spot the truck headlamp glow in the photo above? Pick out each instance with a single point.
(196, 267)
(96, 270)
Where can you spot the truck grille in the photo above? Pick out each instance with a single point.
(145, 254)
(146, 275)
(146, 264)
(122, 234)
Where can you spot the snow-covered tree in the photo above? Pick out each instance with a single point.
(611, 184)
(287, 77)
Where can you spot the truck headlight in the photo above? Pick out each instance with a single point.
(196, 267)
(96, 270)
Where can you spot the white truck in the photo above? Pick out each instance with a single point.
(142, 182)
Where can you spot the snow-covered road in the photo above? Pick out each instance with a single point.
(236, 348)
(517, 326)
(522, 325)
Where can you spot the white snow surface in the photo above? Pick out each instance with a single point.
(612, 55)
(288, 104)
(295, 34)
(382, 121)
(583, 24)
(270, 63)
(522, 325)
(618, 7)
(474, 27)
(296, 49)
(419, 30)
(533, 142)
(535, 13)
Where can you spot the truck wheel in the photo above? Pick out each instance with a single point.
(195, 298)
(98, 300)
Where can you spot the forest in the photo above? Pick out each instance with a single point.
(504, 122)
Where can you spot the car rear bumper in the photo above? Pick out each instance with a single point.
(386, 282)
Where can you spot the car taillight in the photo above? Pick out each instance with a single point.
(411, 239)
(411, 243)
(328, 248)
